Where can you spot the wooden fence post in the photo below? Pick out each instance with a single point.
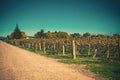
(95, 53)
(44, 48)
(74, 53)
(36, 47)
(89, 45)
(63, 49)
(40, 46)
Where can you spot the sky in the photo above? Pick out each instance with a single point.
(72, 16)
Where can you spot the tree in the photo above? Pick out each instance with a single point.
(62, 35)
(50, 35)
(86, 34)
(16, 34)
(23, 34)
(40, 34)
(75, 35)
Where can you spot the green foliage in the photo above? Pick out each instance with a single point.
(17, 34)
(50, 35)
(40, 34)
(23, 35)
(59, 56)
(53, 35)
(111, 71)
(86, 34)
(75, 35)
(62, 35)
(105, 69)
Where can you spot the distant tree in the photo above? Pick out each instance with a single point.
(48, 31)
(50, 35)
(86, 34)
(100, 35)
(116, 35)
(23, 34)
(62, 35)
(93, 35)
(55, 31)
(40, 34)
(75, 35)
(17, 34)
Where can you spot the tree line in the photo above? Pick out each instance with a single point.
(104, 46)
(18, 34)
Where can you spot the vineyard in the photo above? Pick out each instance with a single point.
(102, 46)
(96, 46)
(89, 50)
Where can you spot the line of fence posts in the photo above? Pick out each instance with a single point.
(61, 46)
(38, 46)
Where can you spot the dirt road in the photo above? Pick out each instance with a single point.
(19, 64)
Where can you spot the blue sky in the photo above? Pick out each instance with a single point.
(94, 16)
